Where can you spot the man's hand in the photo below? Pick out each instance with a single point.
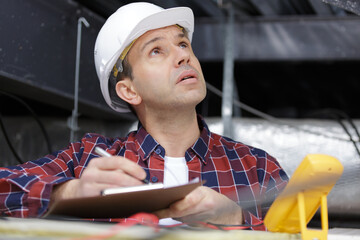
(101, 173)
(206, 205)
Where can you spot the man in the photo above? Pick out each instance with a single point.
(145, 62)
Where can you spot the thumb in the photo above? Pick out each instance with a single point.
(163, 213)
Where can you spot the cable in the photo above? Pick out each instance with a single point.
(243, 105)
(338, 115)
(347, 117)
(226, 227)
(18, 158)
(41, 125)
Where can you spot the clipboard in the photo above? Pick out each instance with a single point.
(122, 205)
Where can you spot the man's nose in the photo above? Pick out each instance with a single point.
(183, 57)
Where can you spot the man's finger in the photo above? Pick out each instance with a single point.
(119, 163)
(163, 213)
(116, 178)
(189, 203)
(187, 206)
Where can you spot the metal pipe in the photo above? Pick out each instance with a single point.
(73, 125)
(228, 74)
(237, 110)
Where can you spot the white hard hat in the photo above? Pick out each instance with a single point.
(124, 26)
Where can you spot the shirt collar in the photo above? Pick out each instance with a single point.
(146, 143)
(202, 147)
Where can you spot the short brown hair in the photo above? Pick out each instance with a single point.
(113, 80)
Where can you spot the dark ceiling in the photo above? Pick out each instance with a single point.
(295, 86)
(250, 8)
(292, 58)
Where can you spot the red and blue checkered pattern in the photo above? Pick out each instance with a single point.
(247, 175)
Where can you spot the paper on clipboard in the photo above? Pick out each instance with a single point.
(121, 205)
(144, 187)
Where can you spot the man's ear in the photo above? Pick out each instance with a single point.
(126, 91)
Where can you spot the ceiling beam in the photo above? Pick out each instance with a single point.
(266, 8)
(210, 8)
(294, 39)
(321, 8)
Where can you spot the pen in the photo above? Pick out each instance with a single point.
(104, 153)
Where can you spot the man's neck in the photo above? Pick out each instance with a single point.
(176, 131)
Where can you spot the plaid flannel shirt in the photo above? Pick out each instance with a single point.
(247, 175)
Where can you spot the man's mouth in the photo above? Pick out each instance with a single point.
(186, 78)
(188, 74)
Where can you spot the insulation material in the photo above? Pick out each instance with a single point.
(289, 143)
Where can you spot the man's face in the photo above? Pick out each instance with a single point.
(166, 73)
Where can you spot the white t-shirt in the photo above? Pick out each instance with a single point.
(176, 172)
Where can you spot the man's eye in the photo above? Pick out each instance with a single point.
(183, 45)
(155, 51)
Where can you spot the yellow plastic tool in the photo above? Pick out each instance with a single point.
(305, 193)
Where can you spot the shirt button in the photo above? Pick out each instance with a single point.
(158, 151)
(154, 179)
